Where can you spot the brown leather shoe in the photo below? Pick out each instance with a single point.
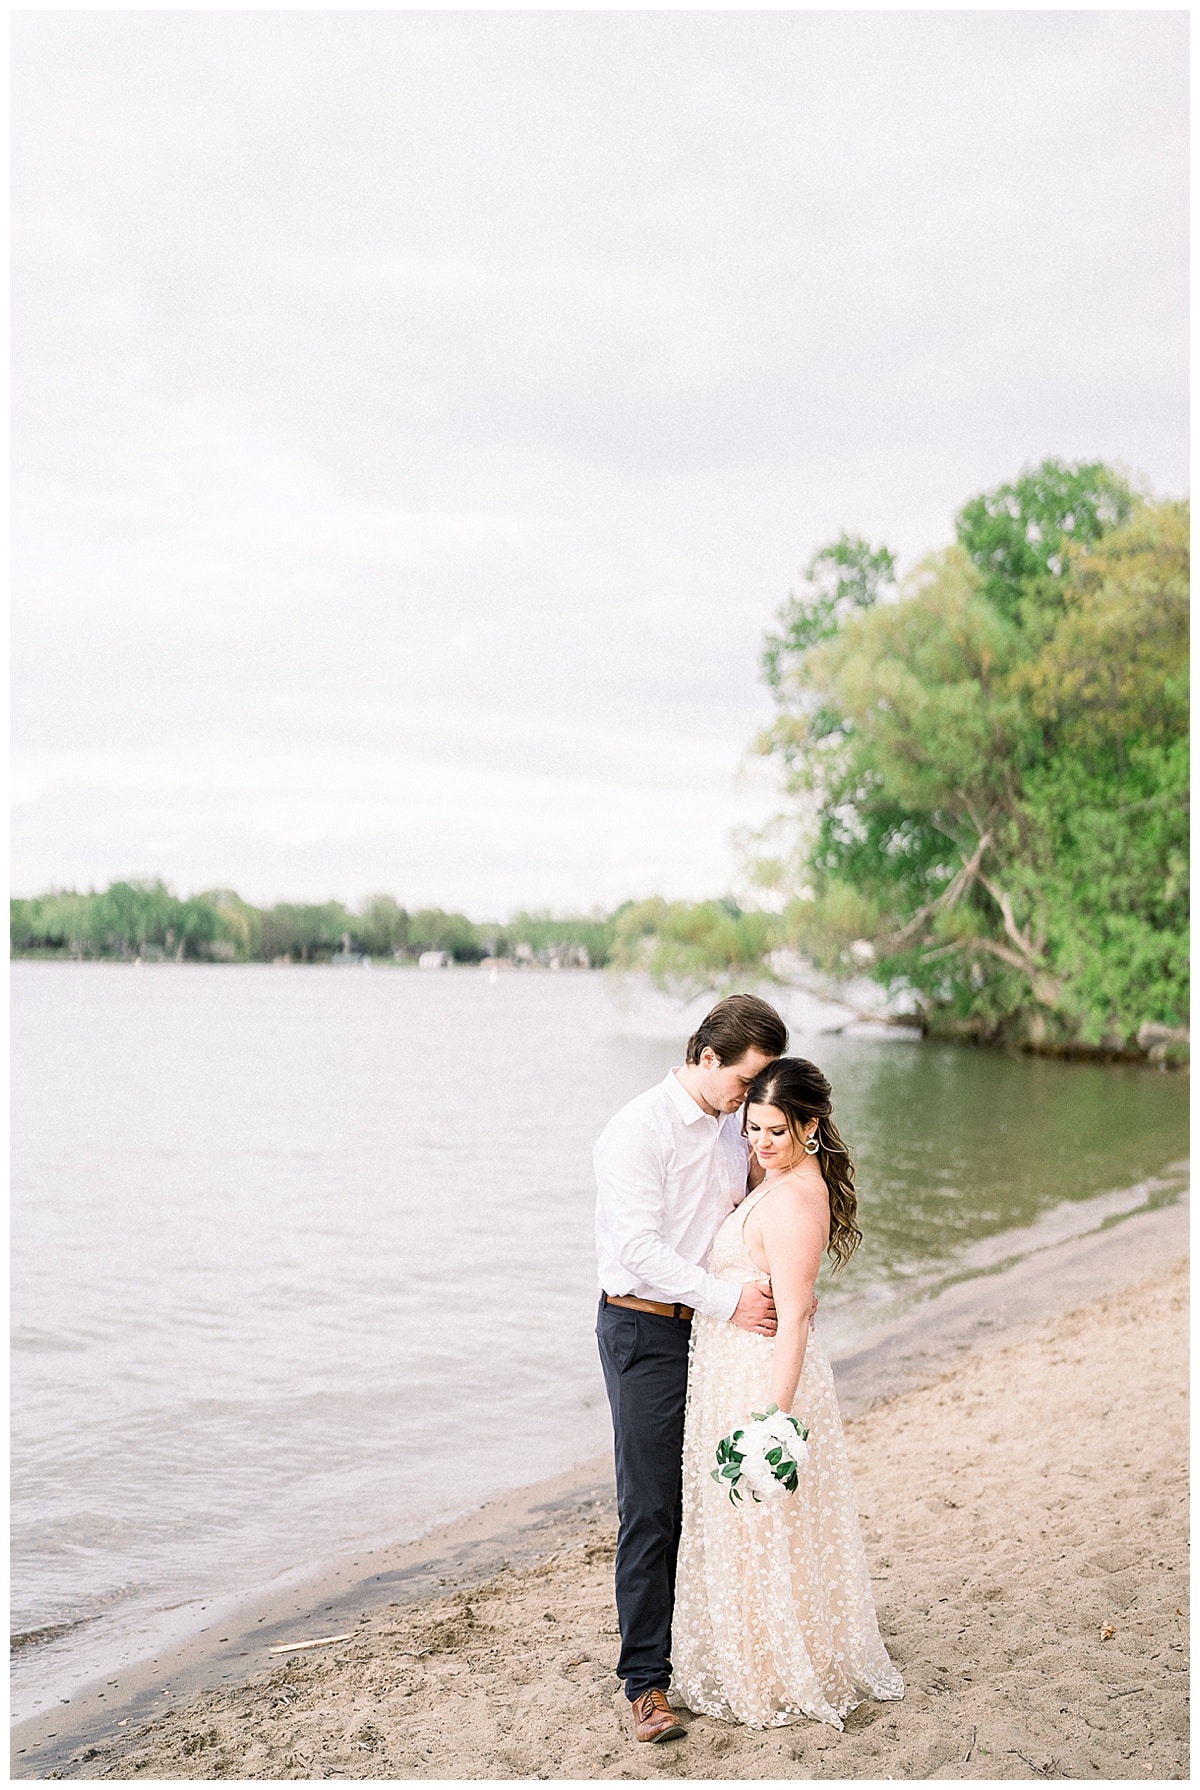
(654, 1719)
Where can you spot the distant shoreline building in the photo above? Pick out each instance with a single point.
(434, 960)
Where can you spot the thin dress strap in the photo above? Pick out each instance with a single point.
(751, 1200)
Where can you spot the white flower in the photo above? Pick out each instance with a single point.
(759, 1475)
(752, 1447)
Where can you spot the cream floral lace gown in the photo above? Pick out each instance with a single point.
(774, 1617)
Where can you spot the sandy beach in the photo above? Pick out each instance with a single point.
(1026, 1522)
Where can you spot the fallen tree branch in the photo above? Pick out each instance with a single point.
(1020, 939)
(1047, 988)
(1151, 1034)
(976, 943)
(967, 873)
(837, 1000)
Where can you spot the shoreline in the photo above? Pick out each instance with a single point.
(522, 1528)
(1025, 1521)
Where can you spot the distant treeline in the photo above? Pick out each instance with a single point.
(146, 919)
(704, 940)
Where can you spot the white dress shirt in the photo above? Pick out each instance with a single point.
(668, 1174)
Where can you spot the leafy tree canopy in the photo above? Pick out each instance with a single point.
(1019, 534)
(989, 772)
(844, 577)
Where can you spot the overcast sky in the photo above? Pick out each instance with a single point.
(420, 417)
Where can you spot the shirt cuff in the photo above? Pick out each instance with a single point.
(721, 1297)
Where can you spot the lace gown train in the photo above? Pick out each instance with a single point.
(774, 1616)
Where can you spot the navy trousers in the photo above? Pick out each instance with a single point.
(645, 1362)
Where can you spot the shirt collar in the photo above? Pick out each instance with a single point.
(688, 1109)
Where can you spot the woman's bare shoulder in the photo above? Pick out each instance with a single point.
(795, 1193)
(797, 1203)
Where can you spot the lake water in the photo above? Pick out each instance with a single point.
(302, 1258)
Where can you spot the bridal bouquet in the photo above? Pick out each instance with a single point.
(763, 1457)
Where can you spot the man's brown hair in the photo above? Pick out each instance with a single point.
(739, 1023)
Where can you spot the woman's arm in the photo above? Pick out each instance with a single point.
(794, 1223)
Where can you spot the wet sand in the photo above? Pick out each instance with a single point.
(1015, 1508)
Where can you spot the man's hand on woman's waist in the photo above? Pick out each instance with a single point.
(755, 1310)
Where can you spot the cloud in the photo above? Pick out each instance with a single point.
(461, 394)
(386, 820)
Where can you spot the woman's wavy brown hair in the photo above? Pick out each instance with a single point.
(801, 1093)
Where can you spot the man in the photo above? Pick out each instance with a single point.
(670, 1167)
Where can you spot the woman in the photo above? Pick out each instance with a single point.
(774, 1617)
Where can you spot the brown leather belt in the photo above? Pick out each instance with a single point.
(660, 1311)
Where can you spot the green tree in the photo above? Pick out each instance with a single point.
(1020, 533)
(1104, 807)
(239, 934)
(305, 933)
(382, 928)
(690, 946)
(132, 915)
(195, 927)
(127, 919)
(846, 576)
(915, 786)
(69, 921)
(993, 810)
(22, 925)
(432, 929)
(1116, 667)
